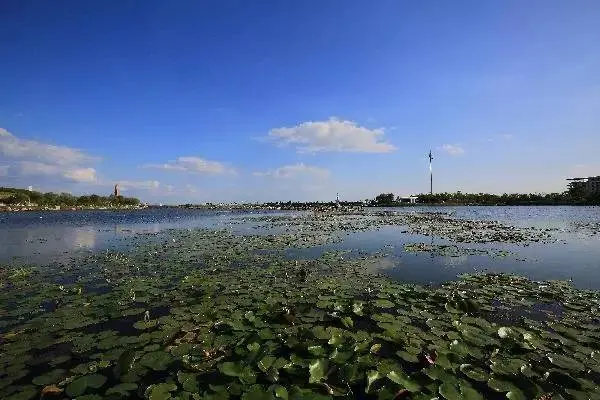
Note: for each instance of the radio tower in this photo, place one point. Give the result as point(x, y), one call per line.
point(430, 174)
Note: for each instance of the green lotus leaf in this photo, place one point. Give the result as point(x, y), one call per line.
point(477, 374)
point(449, 391)
point(160, 391)
point(266, 334)
point(80, 385)
point(450, 307)
point(265, 363)
point(500, 385)
point(156, 360)
point(319, 332)
point(281, 392)
point(347, 322)
point(507, 366)
point(372, 377)
point(317, 370)
point(90, 397)
point(306, 394)
point(383, 303)
point(249, 315)
point(253, 347)
point(340, 357)
point(49, 378)
point(399, 377)
point(59, 360)
point(565, 362)
point(143, 325)
point(357, 307)
point(26, 393)
point(468, 393)
point(188, 381)
point(336, 340)
point(122, 389)
point(256, 392)
point(317, 351)
point(437, 373)
point(408, 357)
point(516, 394)
point(280, 363)
point(562, 379)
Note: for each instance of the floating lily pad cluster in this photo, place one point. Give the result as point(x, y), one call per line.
point(300, 229)
point(204, 316)
point(451, 250)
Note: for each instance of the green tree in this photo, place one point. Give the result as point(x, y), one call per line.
point(17, 198)
point(384, 199)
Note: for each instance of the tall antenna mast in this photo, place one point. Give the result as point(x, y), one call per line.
point(430, 174)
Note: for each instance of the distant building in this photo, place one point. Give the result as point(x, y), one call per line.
point(117, 191)
point(589, 185)
point(30, 188)
point(409, 199)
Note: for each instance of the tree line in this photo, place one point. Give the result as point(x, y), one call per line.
point(506, 199)
point(21, 196)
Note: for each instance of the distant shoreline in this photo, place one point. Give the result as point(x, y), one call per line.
point(68, 208)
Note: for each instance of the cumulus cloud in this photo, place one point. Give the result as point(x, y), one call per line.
point(138, 185)
point(72, 173)
point(194, 165)
point(23, 149)
point(296, 170)
point(333, 135)
point(452, 149)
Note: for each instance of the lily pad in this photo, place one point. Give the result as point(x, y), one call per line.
point(317, 370)
point(188, 381)
point(449, 391)
point(156, 360)
point(161, 391)
point(80, 385)
point(54, 376)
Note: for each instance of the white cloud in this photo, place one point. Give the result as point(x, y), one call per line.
point(193, 164)
point(296, 170)
point(138, 185)
point(332, 135)
point(72, 173)
point(81, 174)
point(23, 149)
point(452, 149)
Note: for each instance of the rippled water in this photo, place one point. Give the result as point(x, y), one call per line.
point(33, 237)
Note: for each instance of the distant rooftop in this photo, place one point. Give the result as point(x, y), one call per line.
point(585, 179)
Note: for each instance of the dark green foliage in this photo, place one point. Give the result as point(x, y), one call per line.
point(514, 199)
point(22, 196)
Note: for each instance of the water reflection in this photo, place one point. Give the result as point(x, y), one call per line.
point(81, 238)
point(454, 261)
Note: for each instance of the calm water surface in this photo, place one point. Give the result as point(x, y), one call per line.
point(54, 236)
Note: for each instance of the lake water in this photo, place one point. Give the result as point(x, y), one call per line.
point(42, 237)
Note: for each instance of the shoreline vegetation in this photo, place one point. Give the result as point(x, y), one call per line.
point(486, 199)
point(13, 199)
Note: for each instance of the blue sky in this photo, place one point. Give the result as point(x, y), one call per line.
point(195, 101)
